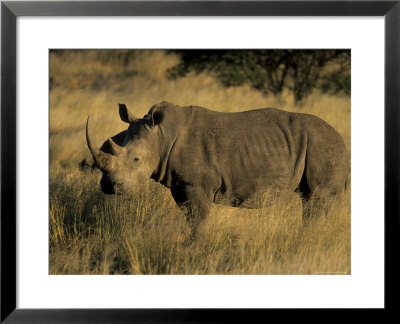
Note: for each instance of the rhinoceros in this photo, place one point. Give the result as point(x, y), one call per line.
point(205, 157)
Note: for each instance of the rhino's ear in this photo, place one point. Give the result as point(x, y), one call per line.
point(125, 115)
point(157, 116)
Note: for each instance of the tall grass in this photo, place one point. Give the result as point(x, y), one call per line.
point(144, 232)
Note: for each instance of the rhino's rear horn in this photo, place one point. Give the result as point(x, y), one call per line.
point(114, 147)
point(102, 160)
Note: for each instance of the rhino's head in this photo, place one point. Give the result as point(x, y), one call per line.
point(131, 158)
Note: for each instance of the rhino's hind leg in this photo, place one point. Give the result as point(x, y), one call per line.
point(195, 204)
point(318, 200)
point(318, 192)
point(305, 192)
point(316, 204)
point(325, 173)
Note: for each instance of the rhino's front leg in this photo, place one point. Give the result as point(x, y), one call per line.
point(195, 202)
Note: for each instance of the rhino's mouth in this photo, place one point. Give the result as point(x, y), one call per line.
point(108, 191)
point(107, 188)
point(111, 189)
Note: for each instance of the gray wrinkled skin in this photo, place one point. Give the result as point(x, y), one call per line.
point(207, 157)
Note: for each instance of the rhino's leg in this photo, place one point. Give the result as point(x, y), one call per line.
point(195, 202)
point(324, 188)
point(326, 169)
point(305, 192)
point(320, 203)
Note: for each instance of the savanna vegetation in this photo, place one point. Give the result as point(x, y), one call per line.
point(145, 232)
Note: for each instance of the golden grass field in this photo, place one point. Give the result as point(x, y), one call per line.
point(145, 232)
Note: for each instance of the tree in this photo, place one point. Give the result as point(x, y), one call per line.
point(266, 70)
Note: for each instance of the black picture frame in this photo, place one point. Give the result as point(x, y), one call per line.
point(10, 10)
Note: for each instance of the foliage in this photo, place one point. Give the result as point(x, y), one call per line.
point(271, 70)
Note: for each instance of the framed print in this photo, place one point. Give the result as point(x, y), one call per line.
point(252, 208)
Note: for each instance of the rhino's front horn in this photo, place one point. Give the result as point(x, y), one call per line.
point(102, 160)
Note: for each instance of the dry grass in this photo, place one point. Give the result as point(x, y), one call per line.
point(144, 233)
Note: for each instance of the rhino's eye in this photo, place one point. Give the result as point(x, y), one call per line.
point(136, 159)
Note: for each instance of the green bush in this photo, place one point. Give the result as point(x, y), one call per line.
point(270, 71)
